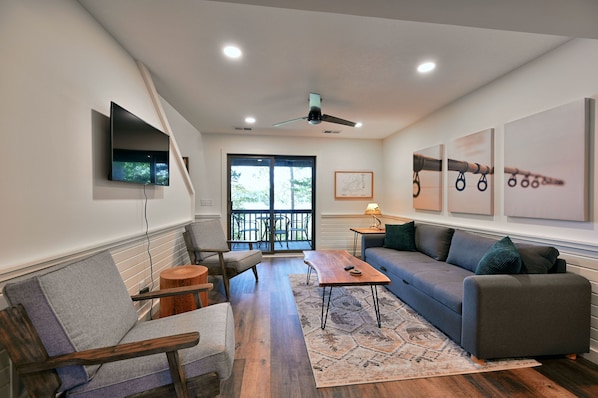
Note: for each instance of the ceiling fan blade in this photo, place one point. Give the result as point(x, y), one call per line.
point(315, 114)
point(289, 121)
point(337, 120)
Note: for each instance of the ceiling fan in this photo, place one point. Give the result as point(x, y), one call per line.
point(315, 115)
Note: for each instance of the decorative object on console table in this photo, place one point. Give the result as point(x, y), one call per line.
point(184, 275)
point(374, 210)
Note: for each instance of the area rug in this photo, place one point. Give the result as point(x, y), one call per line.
point(353, 350)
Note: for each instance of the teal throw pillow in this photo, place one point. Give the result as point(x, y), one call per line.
point(502, 258)
point(400, 236)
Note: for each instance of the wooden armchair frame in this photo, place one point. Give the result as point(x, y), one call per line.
point(37, 369)
point(225, 275)
point(208, 236)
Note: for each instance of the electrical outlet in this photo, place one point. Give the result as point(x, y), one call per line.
point(143, 287)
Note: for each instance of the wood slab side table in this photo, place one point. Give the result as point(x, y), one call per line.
point(183, 275)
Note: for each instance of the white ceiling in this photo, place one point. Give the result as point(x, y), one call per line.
point(363, 66)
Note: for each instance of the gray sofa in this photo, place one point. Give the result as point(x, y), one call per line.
point(542, 310)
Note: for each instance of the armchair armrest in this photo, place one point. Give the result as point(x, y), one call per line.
point(212, 250)
point(173, 291)
point(176, 291)
point(249, 242)
point(116, 353)
point(526, 315)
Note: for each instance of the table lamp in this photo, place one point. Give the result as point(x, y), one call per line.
point(374, 210)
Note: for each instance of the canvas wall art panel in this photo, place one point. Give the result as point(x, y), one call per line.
point(427, 178)
point(470, 165)
point(546, 163)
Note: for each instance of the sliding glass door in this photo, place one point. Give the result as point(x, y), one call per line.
point(271, 202)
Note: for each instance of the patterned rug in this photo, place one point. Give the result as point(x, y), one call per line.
point(353, 350)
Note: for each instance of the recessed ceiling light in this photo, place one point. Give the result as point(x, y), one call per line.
point(250, 119)
point(426, 67)
point(358, 124)
point(232, 51)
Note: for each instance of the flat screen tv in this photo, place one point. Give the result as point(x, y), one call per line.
point(138, 151)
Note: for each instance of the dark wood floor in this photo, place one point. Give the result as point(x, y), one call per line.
point(271, 359)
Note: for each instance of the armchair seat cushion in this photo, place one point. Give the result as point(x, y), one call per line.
point(236, 261)
point(214, 353)
point(207, 246)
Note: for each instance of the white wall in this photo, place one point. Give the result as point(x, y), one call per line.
point(59, 70)
point(332, 154)
point(58, 74)
point(557, 78)
point(562, 76)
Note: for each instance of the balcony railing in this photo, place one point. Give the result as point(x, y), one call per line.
point(289, 229)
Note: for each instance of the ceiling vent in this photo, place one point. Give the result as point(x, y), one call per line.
point(331, 131)
point(244, 128)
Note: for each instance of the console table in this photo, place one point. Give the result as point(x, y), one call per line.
point(364, 231)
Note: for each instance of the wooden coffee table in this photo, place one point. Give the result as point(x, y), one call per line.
point(330, 268)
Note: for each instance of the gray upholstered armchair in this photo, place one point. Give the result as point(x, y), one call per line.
point(75, 329)
point(208, 246)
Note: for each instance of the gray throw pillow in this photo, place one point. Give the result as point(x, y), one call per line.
point(537, 259)
point(433, 240)
point(467, 249)
point(400, 236)
point(502, 258)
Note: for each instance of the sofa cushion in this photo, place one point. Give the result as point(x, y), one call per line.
point(59, 302)
point(537, 259)
point(400, 236)
point(433, 240)
point(467, 249)
point(402, 264)
point(444, 283)
point(502, 258)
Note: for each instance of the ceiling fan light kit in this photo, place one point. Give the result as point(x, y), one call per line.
point(315, 115)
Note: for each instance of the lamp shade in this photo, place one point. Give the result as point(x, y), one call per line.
point(373, 209)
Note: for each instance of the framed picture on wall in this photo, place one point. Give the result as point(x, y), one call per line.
point(353, 184)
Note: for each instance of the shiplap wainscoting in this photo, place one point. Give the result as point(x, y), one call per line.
point(587, 267)
point(334, 232)
point(167, 249)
